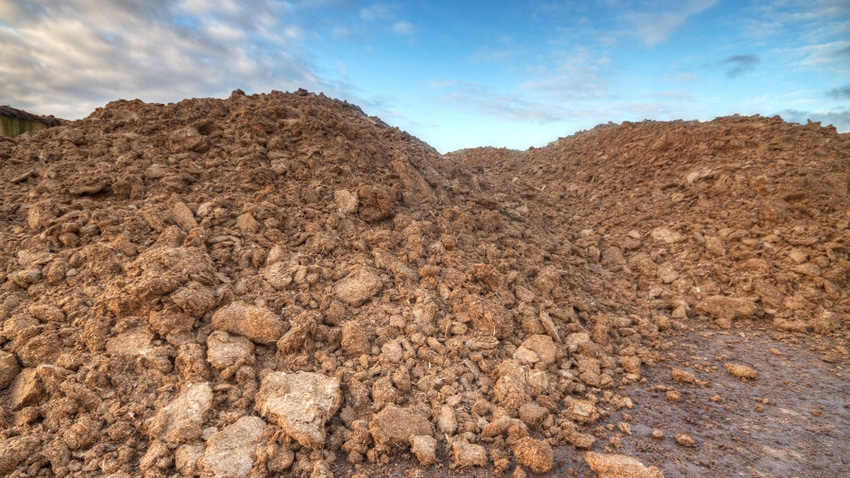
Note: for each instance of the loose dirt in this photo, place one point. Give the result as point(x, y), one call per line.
point(281, 285)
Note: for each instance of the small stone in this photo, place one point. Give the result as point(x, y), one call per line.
point(346, 201)
point(543, 346)
point(741, 371)
point(667, 236)
point(392, 351)
point(257, 323)
point(395, 426)
point(182, 215)
point(631, 364)
point(354, 339)
point(424, 447)
point(525, 355)
point(466, 455)
point(186, 458)
point(685, 440)
point(225, 350)
point(582, 441)
point(536, 455)
point(446, 420)
point(181, 420)
point(300, 403)
point(658, 434)
point(673, 396)
point(247, 224)
point(358, 287)
point(321, 469)
point(26, 389)
point(683, 376)
point(667, 274)
point(9, 369)
point(230, 452)
point(533, 414)
point(619, 466)
point(583, 411)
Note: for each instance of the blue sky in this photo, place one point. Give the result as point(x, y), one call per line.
point(454, 73)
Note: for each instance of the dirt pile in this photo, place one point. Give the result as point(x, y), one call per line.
point(738, 218)
point(280, 284)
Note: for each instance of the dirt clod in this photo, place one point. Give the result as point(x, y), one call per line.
point(741, 371)
point(619, 466)
point(536, 455)
point(300, 404)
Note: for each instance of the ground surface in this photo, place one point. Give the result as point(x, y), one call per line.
point(793, 421)
point(280, 285)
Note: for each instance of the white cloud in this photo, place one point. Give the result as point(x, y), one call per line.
point(403, 28)
point(378, 11)
point(63, 57)
point(833, 57)
point(840, 118)
point(578, 74)
point(654, 25)
point(477, 98)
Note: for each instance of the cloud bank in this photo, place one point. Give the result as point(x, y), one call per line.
point(74, 55)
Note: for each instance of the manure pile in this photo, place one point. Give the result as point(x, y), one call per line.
point(280, 285)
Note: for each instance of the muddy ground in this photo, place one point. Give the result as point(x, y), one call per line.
point(792, 421)
point(281, 285)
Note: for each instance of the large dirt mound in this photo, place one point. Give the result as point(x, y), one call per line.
point(282, 285)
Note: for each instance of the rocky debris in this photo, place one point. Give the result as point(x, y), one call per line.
point(536, 455)
point(26, 389)
point(582, 411)
point(358, 287)
point(741, 371)
point(299, 260)
point(182, 419)
point(138, 343)
point(256, 323)
point(300, 403)
point(395, 426)
point(541, 346)
point(683, 376)
point(725, 309)
point(607, 465)
point(424, 448)
point(231, 451)
point(466, 455)
point(9, 369)
point(225, 351)
point(14, 451)
point(685, 440)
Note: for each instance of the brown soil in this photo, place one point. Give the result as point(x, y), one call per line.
point(280, 285)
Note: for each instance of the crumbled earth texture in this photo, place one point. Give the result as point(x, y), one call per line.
point(281, 285)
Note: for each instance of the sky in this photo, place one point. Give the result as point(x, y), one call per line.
point(454, 73)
